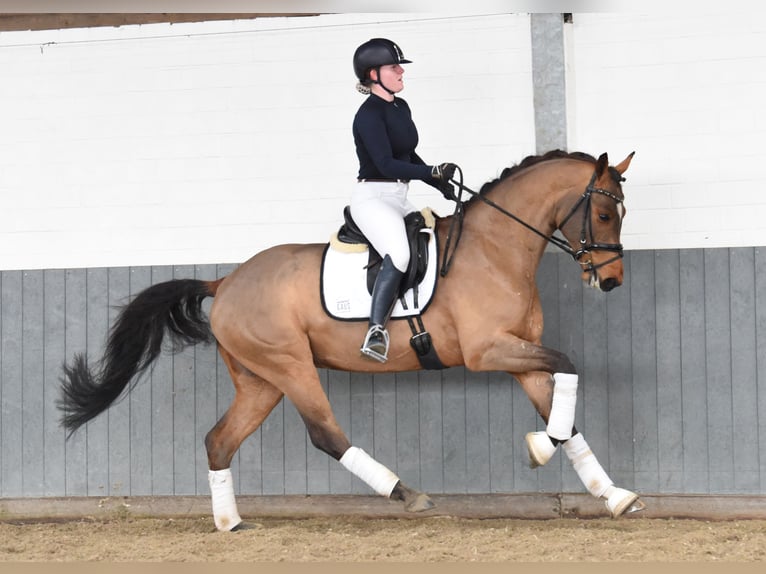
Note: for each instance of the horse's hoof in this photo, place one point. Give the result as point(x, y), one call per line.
point(623, 501)
point(243, 526)
point(421, 503)
point(540, 448)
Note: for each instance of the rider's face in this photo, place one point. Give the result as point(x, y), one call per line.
point(391, 76)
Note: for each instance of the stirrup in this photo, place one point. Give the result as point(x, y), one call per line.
point(375, 344)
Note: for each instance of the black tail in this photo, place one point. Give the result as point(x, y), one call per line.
point(135, 341)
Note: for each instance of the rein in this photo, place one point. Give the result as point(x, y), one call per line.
point(457, 226)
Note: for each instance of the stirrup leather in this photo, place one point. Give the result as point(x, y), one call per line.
point(375, 344)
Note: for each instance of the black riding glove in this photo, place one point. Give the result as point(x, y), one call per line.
point(448, 191)
point(443, 171)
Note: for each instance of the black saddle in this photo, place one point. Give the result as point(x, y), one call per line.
point(350, 233)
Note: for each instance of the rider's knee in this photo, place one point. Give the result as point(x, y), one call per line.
point(400, 258)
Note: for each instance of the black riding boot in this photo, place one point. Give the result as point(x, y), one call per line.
point(384, 295)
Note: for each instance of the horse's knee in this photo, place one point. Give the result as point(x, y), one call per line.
point(328, 440)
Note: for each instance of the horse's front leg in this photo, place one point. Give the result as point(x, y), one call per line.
point(551, 385)
point(550, 381)
point(539, 387)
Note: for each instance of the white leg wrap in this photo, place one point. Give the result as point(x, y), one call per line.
point(374, 474)
point(562, 416)
point(592, 475)
point(225, 512)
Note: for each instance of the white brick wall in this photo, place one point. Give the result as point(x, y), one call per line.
point(686, 90)
point(205, 143)
point(202, 143)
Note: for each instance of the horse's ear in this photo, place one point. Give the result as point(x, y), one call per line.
point(622, 167)
point(601, 165)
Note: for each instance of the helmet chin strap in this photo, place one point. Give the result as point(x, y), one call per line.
point(377, 70)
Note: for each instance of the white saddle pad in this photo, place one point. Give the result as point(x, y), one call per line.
point(344, 283)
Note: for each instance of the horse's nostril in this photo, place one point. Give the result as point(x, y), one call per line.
point(609, 284)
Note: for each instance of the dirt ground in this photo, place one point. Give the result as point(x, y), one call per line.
point(353, 539)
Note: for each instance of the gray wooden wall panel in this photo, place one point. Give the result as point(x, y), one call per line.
point(140, 407)
point(477, 434)
point(744, 370)
point(718, 370)
point(75, 334)
point(593, 383)
point(361, 431)
point(759, 427)
point(672, 395)
point(11, 366)
point(384, 418)
point(500, 432)
point(118, 447)
point(339, 394)
point(184, 467)
point(161, 378)
point(693, 373)
point(644, 396)
point(97, 439)
point(430, 428)
point(32, 391)
point(54, 354)
point(619, 385)
point(407, 426)
point(667, 345)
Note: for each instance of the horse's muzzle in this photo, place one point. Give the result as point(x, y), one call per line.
point(609, 284)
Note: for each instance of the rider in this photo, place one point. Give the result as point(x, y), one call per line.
point(385, 137)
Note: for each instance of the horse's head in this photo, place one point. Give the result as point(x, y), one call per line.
point(593, 223)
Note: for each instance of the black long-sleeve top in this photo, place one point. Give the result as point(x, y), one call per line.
point(386, 138)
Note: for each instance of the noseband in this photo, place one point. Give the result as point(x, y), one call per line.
point(586, 245)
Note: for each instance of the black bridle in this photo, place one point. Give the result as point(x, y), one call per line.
point(586, 244)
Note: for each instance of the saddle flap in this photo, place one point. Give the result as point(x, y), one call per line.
point(414, 222)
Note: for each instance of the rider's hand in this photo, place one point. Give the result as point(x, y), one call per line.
point(443, 171)
point(448, 191)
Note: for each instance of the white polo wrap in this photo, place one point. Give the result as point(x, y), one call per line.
point(561, 419)
point(374, 474)
point(225, 512)
point(592, 475)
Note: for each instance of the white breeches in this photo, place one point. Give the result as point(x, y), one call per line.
point(378, 208)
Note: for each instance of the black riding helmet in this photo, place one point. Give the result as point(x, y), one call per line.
point(372, 55)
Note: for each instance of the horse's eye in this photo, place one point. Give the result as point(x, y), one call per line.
point(604, 216)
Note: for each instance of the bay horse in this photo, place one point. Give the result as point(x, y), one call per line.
point(273, 333)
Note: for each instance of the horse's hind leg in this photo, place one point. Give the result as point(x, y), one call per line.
point(255, 398)
point(300, 383)
point(539, 388)
point(327, 436)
